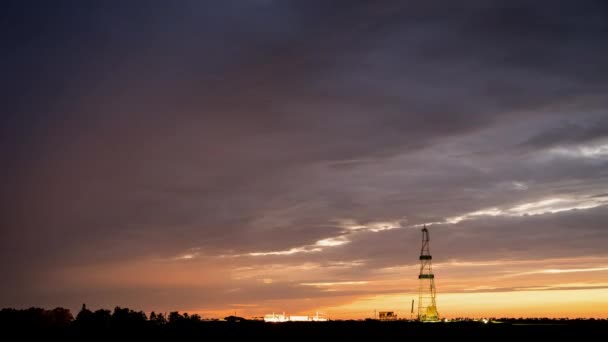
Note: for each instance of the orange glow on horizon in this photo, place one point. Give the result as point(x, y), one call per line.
point(543, 303)
point(217, 287)
point(587, 303)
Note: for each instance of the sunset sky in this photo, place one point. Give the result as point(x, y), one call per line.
point(276, 155)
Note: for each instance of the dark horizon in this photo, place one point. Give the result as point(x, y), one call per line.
point(68, 317)
point(123, 323)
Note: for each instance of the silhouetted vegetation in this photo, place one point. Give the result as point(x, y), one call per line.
point(234, 319)
point(123, 322)
point(36, 318)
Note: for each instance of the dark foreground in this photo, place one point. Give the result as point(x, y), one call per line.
point(124, 323)
point(341, 330)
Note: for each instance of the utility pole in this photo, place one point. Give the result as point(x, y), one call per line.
point(412, 310)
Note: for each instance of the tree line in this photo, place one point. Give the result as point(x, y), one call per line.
point(120, 318)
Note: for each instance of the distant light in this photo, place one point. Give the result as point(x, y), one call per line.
point(275, 318)
point(278, 318)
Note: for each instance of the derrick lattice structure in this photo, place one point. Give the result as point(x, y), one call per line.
point(427, 307)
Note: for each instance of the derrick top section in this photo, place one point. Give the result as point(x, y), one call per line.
point(425, 234)
point(425, 253)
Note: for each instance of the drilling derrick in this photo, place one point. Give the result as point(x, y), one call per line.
point(427, 308)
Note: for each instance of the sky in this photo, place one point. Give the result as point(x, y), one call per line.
point(262, 156)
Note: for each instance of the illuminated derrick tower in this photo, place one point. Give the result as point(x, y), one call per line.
point(427, 308)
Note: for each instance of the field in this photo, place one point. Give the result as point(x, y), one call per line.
point(373, 330)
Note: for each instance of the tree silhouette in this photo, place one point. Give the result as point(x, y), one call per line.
point(35, 318)
point(60, 317)
point(102, 319)
point(125, 318)
point(84, 316)
point(234, 319)
point(175, 317)
point(157, 319)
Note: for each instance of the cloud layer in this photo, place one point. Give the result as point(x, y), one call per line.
point(270, 152)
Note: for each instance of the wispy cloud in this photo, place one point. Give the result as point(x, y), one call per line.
point(336, 283)
point(378, 226)
point(351, 227)
point(290, 251)
point(314, 248)
point(558, 271)
point(595, 151)
point(333, 241)
point(550, 205)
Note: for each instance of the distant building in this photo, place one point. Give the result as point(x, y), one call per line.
point(317, 318)
point(276, 318)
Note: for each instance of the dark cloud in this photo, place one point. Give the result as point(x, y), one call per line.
point(570, 133)
point(151, 129)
